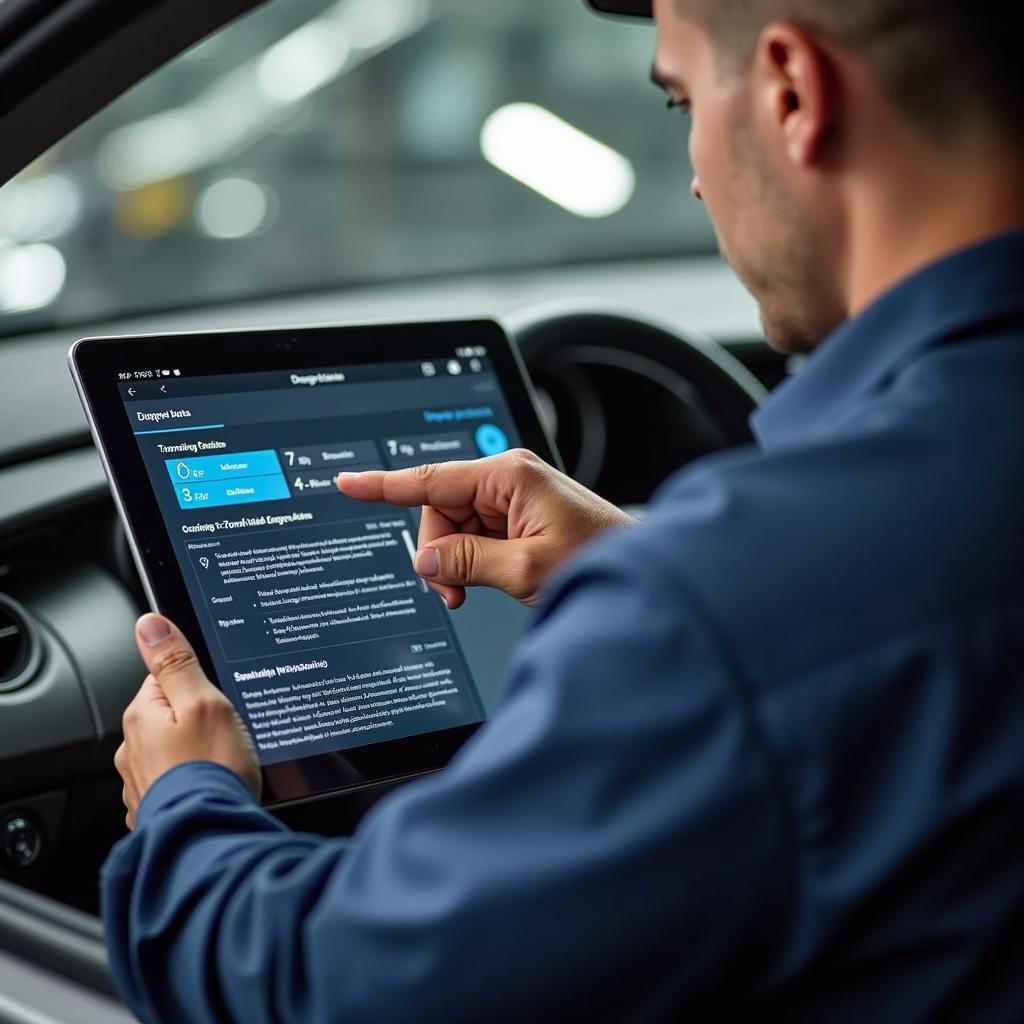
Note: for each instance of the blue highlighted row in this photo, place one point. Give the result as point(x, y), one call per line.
point(208, 494)
point(238, 479)
point(223, 467)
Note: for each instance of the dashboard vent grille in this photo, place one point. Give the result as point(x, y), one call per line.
point(18, 650)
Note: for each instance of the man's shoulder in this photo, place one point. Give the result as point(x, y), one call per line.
point(843, 541)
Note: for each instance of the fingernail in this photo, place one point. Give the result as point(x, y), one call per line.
point(154, 629)
point(343, 478)
point(427, 563)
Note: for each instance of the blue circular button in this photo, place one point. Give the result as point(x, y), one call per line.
point(491, 440)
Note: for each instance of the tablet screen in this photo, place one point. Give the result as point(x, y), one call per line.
point(318, 628)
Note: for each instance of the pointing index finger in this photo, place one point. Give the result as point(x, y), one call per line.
point(365, 486)
point(445, 485)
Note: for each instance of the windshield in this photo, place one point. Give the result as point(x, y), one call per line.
point(321, 144)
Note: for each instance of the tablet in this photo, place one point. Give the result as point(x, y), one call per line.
point(222, 451)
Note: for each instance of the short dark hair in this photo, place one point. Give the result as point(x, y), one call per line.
point(945, 63)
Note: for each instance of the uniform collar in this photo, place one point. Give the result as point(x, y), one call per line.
point(969, 289)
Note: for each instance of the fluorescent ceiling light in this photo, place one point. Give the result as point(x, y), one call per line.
point(563, 164)
point(232, 208)
point(31, 276)
point(245, 104)
point(40, 209)
point(302, 63)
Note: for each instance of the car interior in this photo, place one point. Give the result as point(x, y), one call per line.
point(174, 167)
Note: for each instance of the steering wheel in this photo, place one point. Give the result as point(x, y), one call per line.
point(630, 400)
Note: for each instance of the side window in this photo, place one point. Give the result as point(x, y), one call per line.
point(317, 144)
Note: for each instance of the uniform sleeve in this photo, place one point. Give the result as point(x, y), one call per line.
point(614, 843)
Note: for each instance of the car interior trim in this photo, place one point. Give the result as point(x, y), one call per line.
point(79, 55)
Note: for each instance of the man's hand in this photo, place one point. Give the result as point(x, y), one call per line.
point(506, 521)
point(178, 715)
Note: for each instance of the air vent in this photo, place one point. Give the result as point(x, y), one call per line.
point(19, 647)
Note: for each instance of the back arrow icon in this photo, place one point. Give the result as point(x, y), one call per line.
point(163, 390)
point(131, 391)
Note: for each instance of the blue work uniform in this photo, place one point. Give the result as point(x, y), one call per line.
point(760, 757)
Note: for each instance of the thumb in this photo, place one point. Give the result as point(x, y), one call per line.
point(170, 658)
point(469, 560)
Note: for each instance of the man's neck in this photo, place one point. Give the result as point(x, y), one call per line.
point(917, 217)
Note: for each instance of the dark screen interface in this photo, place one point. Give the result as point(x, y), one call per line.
point(320, 632)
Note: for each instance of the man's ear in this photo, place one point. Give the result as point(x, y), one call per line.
point(795, 80)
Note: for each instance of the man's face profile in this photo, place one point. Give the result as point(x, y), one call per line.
point(772, 220)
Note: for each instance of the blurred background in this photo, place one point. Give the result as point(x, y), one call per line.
point(320, 144)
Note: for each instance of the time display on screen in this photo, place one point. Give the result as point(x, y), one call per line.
point(146, 374)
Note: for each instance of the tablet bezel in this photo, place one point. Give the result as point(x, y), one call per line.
point(95, 363)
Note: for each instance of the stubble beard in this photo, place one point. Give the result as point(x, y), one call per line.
point(784, 262)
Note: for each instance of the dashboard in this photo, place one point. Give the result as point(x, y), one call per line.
point(608, 383)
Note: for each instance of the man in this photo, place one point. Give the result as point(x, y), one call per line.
point(760, 757)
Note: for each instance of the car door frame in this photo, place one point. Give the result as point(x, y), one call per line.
point(61, 61)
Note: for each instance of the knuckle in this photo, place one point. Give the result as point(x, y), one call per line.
point(207, 707)
point(528, 566)
point(524, 461)
point(464, 559)
point(425, 473)
point(220, 709)
point(194, 707)
point(175, 660)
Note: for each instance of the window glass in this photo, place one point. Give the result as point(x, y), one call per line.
point(322, 143)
